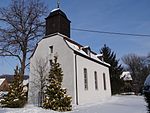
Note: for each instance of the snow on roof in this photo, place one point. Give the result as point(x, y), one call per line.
point(86, 47)
point(99, 55)
point(126, 76)
point(75, 47)
point(2, 80)
point(78, 48)
point(55, 10)
point(147, 81)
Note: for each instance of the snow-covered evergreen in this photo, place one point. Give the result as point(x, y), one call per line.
point(56, 97)
point(16, 96)
point(115, 69)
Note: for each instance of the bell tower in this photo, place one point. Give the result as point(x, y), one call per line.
point(57, 22)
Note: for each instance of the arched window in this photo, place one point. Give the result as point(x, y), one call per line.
point(104, 81)
point(96, 81)
point(85, 79)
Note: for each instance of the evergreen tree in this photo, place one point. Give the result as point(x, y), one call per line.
point(115, 69)
point(16, 97)
point(55, 96)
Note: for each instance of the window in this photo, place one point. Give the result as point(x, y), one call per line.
point(51, 49)
point(50, 61)
point(104, 81)
point(89, 53)
point(85, 79)
point(96, 82)
point(87, 50)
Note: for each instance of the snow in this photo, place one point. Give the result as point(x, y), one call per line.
point(75, 47)
point(16, 99)
point(55, 10)
point(99, 55)
point(3, 93)
point(25, 82)
point(2, 80)
point(117, 104)
point(126, 76)
point(80, 50)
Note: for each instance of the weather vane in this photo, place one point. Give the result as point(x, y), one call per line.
point(58, 3)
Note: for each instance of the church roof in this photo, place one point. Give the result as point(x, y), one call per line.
point(78, 49)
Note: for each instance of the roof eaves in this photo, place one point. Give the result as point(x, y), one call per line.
point(92, 59)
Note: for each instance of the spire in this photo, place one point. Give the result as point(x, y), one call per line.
point(58, 3)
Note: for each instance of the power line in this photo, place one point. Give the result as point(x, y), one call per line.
point(112, 33)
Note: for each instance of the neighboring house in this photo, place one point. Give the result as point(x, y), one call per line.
point(7, 79)
point(10, 77)
point(3, 85)
point(86, 76)
point(127, 78)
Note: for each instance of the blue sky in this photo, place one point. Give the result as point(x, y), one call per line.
point(128, 16)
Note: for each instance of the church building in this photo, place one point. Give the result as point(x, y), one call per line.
point(86, 75)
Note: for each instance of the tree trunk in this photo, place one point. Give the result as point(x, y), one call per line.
point(23, 63)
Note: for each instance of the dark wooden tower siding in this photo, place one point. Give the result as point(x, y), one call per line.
point(57, 22)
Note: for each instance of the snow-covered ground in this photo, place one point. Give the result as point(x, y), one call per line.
point(117, 104)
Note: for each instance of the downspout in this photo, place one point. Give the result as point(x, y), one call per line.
point(76, 80)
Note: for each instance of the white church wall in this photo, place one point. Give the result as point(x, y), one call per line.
point(92, 95)
point(65, 58)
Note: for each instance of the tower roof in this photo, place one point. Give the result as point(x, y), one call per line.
point(57, 22)
point(57, 11)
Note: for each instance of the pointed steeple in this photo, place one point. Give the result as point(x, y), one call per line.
point(57, 22)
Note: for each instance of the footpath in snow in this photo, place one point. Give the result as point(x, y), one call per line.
point(117, 104)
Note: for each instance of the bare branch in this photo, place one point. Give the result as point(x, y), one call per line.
point(8, 53)
point(24, 28)
point(40, 69)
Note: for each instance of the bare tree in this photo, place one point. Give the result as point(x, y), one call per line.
point(139, 70)
point(22, 28)
point(39, 73)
